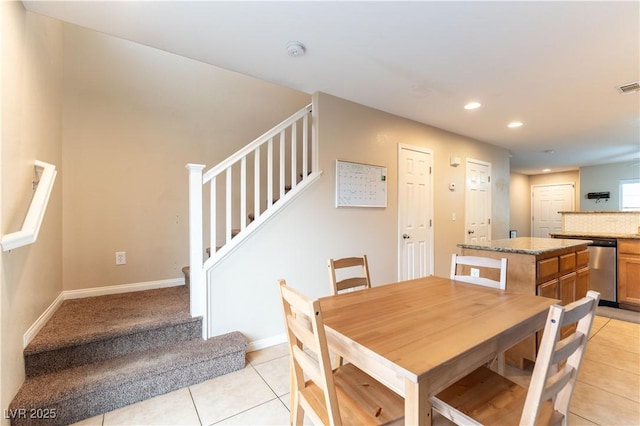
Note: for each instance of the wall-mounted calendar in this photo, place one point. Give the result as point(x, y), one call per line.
point(360, 185)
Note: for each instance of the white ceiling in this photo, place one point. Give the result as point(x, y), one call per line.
point(553, 65)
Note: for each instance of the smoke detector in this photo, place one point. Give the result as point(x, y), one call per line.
point(295, 49)
point(629, 87)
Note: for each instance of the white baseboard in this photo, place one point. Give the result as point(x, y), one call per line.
point(41, 321)
point(266, 343)
point(123, 288)
point(91, 292)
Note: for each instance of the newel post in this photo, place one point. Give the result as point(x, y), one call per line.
point(197, 290)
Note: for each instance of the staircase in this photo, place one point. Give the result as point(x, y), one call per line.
point(101, 353)
point(229, 202)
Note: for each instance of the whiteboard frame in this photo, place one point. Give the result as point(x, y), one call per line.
point(339, 184)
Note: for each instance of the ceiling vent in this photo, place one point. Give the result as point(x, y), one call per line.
point(629, 87)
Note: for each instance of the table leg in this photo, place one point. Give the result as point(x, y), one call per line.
point(417, 408)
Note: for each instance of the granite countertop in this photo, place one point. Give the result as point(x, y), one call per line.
point(587, 235)
point(600, 212)
point(526, 245)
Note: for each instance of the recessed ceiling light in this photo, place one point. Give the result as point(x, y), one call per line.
point(546, 170)
point(514, 124)
point(472, 105)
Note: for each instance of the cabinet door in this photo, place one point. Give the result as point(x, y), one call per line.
point(582, 283)
point(629, 279)
point(568, 288)
point(549, 289)
point(567, 262)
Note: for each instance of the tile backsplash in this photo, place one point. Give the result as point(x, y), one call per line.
point(601, 222)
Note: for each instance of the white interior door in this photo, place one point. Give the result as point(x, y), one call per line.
point(546, 202)
point(478, 202)
point(415, 212)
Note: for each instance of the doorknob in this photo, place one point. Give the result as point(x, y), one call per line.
point(471, 231)
point(406, 236)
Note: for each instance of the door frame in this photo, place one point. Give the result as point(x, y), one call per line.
point(429, 208)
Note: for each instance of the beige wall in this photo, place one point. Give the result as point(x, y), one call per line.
point(296, 244)
point(520, 202)
point(521, 187)
point(572, 176)
point(133, 118)
point(605, 178)
point(31, 129)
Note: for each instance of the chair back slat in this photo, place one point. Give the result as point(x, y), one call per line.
point(351, 283)
point(309, 366)
point(567, 346)
point(556, 382)
point(485, 282)
point(482, 263)
point(302, 333)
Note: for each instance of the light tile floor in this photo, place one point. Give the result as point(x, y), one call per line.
point(607, 393)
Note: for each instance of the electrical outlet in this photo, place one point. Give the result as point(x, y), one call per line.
point(475, 272)
point(121, 258)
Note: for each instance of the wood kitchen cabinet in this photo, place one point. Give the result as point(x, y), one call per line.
point(555, 268)
point(629, 273)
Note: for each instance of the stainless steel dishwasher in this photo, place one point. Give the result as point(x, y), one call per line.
point(603, 267)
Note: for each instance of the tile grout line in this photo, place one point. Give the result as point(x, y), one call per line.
point(193, 401)
point(243, 411)
point(264, 380)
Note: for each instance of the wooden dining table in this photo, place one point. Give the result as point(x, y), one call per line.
point(420, 336)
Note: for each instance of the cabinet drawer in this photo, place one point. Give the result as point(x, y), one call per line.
point(567, 262)
point(547, 269)
point(582, 258)
point(629, 246)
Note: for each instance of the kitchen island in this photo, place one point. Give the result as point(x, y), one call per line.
point(549, 267)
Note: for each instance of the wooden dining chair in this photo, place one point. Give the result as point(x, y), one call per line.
point(469, 262)
point(362, 280)
point(479, 262)
point(484, 397)
point(346, 395)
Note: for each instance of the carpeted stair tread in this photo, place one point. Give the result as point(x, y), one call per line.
point(80, 321)
point(88, 390)
point(116, 346)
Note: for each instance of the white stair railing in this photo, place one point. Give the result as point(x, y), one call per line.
point(35, 215)
point(244, 191)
